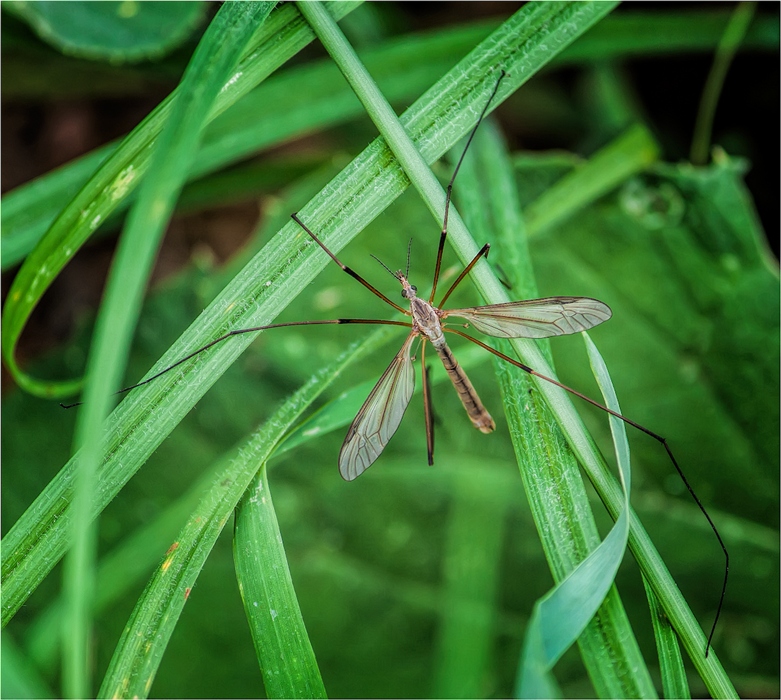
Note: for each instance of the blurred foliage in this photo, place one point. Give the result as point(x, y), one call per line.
point(693, 349)
point(119, 32)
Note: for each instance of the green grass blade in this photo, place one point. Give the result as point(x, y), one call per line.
point(259, 293)
point(630, 153)
point(637, 33)
point(284, 651)
point(140, 650)
point(561, 615)
point(278, 40)
point(725, 53)
point(31, 208)
point(674, 682)
point(213, 63)
point(488, 198)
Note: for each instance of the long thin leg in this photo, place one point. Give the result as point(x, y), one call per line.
point(428, 407)
point(240, 331)
point(639, 427)
point(443, 235)
point(483, 252)
point(348, 270)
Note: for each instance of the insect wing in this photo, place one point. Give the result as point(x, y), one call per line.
point(535, 318)
point(379, 416)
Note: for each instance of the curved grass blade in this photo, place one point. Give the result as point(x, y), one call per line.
point(561, 615)
point(287, 660)
point(278, 40)
point(140, 650)
point(213, 62)
point(489, 200)
point(728, 46)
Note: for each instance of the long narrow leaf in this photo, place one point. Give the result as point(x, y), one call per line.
point(282, 645)
point(562, 614)
point(144, 640)
point(213, 63)
point(560, 506)
point(118, 176)
point(674, 683)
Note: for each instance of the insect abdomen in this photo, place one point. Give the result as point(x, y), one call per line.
point(466, 392)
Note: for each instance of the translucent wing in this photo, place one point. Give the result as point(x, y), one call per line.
point(379, 416)
point(535, 318)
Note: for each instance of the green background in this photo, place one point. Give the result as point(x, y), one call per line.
point(417, 581)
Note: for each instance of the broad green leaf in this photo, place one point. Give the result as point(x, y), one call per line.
point(117, 31)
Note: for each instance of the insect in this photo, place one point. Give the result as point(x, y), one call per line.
point(381, 414)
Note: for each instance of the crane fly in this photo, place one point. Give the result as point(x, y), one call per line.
point(380, 415)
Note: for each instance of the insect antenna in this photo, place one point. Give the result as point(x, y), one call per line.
point(449, 192)
point(409, 253)
point(390, 272)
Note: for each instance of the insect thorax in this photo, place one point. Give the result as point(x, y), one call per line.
point(427, 320)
